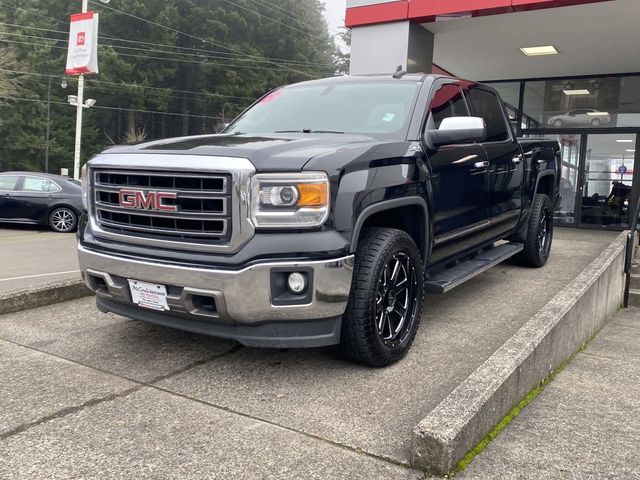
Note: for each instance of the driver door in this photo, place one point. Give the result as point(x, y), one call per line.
point(460, 178)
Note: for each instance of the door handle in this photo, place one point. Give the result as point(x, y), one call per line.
point(517, 160)
point(481, 164)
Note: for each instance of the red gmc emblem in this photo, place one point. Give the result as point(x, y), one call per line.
point(142, 200)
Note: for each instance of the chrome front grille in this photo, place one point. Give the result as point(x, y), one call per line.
point(199, 207)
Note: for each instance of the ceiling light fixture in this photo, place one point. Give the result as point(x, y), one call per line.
point(576, 92)
point(630, 150)
point(539, 51)
point(624, 141)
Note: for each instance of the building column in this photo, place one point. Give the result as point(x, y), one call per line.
point(381, 48)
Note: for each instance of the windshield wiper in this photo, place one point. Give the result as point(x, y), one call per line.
point(308, 130)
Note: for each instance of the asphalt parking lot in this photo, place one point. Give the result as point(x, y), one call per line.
point(93, 395)
point(30, 256)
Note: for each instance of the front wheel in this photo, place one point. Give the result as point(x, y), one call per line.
point(386, 298)
point(63, 220)
point(537, 245)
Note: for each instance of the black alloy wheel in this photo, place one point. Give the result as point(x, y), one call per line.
point(385, 303)
point(537, 245)
point(544, 232)
point(396, 299)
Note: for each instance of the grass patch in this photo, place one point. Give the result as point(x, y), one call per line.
point(468, 458)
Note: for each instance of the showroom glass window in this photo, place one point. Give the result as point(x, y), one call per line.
point(604, 102)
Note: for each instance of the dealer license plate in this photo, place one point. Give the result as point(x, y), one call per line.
point(149, 295)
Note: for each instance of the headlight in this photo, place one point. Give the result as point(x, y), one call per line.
point(84, 183)
point(289, 200)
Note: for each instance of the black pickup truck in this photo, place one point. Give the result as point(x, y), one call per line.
point(321, 215)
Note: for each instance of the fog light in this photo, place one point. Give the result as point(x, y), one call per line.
point(297, 282)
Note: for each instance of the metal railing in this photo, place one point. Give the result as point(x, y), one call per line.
point(629, 253)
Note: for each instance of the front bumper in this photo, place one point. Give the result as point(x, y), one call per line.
point(237, 304)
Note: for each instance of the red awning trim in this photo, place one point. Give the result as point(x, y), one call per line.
point(378, 13)
point(428, 10)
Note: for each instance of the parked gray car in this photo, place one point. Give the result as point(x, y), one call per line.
point(580, 118)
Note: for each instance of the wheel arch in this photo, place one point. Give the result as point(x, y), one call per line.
point(545, 183)
point(396, 213)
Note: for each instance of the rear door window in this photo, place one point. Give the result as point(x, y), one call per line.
point(37, 184)
point(486, 105)
point(8, 182)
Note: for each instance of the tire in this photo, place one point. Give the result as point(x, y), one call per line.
point(557, 123)
point(596, 122)
point(537, 245)
point(386, 259)
point(63, 220)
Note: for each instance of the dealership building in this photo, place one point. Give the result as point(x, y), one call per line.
point(567, 69)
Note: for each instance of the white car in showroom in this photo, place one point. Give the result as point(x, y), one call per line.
point(581, 117)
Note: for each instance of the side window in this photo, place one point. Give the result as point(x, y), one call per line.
point(447, 102)
point(486, 105)
point(35, 184)
point(8, 182)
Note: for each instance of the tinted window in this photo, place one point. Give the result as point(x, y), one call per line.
point(486, 105)
point(447, 102)
point(35, 184)
point(382, 107)
point(8, 182)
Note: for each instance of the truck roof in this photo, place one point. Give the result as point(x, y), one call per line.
point(407, 77)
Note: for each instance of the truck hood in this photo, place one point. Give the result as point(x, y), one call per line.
point(272, 152)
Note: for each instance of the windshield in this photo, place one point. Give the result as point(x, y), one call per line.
point(382, 108)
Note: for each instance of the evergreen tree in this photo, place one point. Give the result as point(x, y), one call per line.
point(233, 52)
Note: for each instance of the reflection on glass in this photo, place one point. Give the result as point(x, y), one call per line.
point(583, 103)
point(570, 149)
point(608, 179)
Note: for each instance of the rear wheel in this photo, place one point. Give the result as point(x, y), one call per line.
point(63, 220)
point(386, 298)
point(537, 245)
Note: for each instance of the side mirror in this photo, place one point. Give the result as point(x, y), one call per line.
point(455, 130)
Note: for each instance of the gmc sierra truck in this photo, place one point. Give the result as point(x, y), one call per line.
point(321, 215)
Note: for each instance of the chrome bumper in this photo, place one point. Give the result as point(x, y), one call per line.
point(242, 297)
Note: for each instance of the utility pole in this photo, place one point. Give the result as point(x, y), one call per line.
point(76, 152)
point(46, 147)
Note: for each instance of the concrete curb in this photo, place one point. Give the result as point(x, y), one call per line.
point(42, 295)
point(472, 410)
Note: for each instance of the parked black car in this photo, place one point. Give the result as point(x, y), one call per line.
point(40, 198)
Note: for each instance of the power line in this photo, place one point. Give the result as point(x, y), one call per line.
point(148, 57)
point(104, 107)
point(282, 11)
point(189, 35)
point(133, 85)
point(215, 52)
point(151, 50)
point(273, 20)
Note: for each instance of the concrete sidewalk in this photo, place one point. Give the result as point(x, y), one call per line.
point(586, 422)
point(30, 257)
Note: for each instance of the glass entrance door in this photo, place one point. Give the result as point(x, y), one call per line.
point(606, 181)
point(570, 144)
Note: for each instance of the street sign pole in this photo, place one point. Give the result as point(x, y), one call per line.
point(76, 152)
